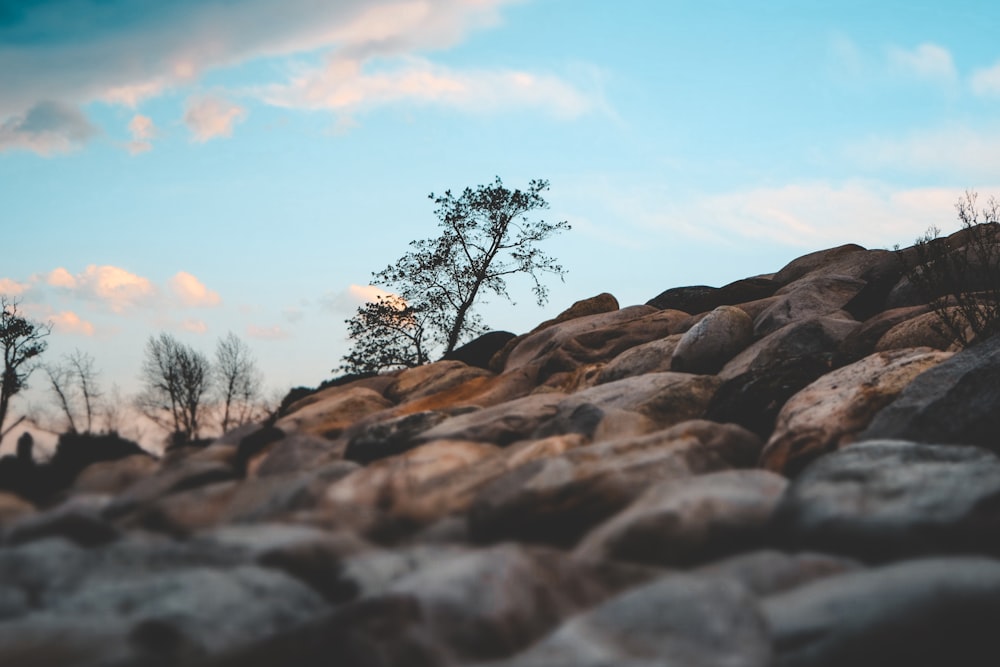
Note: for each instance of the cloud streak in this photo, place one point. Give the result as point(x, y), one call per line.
point(192, 293)
point(211, 117)
point(46, 127)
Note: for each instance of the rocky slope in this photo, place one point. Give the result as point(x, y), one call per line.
point(790, 470)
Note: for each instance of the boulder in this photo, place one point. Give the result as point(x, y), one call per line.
point(477, 353)
point(768, 572)
point(923, 612)
point(714, 340)
point(181, 477)
point(810, 338)
point(294, 453)
point(674, 620)
point(389, 437)
point(807, 298)
point(110, 477)
point(701, 298)
point(685, 522)
point(833, 410)
point(925, 330)
point(328, 417)
point(665, 398)
point(956, 401)
point(653, 357)
point(79, 519)
point(13, 507)
point(556, 500)
point(885, 499)
point(420, 381)
point(861, 342)
point(814, 261)
point(500, 425)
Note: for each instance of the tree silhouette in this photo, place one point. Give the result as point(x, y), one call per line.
point(176, 379)
point(22, 341)
point(486, 236)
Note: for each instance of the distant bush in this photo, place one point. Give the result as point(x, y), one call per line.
point(959, 275)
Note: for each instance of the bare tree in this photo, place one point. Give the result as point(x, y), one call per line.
point(22, 341)
point(112, 410)
point(73, 382)
point(237, 382)
point(176, 379)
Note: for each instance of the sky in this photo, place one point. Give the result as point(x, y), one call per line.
point(206, 166)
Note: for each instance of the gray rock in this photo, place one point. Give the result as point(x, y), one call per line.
point(714, 340)
point(652, 357)
point(675, 620)
point(768, 572)
point(688, 521)
point(500, 425)
point(920, 613)
point(666, 398)
point(701, 298)
point(957, 401)
point(883, 499)
point(389, 437)
point(815, 261)
point(809, 339)
point(807, 298)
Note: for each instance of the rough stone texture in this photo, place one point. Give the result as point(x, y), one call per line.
point(185, 475)
point(421, 381)
point(556, 500)
point(814, 261)
point(956, 401)
point(921, 612)
point(809, 297)
point(701, 298)
point(714, 340)
point(885, 499)
point(501, 425)
point(675, 620)
point(328, 417)
point(685, 522)
point(861, 342)
point(293, 453)
point(113, 476)
point(481, 392)
point(810, 338)
point(389, 437)
point(833, 410)
point(665, 398)
point(923, 330)
point(653, 357)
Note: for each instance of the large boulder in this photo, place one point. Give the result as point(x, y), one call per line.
point(919, 613)
point(769, 571)
point(885, 499)
point(690, 521)
point(478, 352)
point(701, 298)
point(807, 298)
point(714, 340)
point(652, 357)
point(328, 416)
point(956, 401)
point(833, 410)
point(421, 381)
point(814, 261)
point(810, 338)
point(861, 342)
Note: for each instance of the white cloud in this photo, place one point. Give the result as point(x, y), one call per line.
point(950, 152)
point(69, 322)
point(143, 131)
point(267, 333)
point(212, 116)
point(926, 61)
point(194, 326)
point(119, 289)
point(191, 292)
point(45, 128)
point(11, 288)
point(986, 82)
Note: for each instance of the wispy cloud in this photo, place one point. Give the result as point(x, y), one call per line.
point(986, 81)
point(11, 288)
point(212, 116)
point(926, 61)
point(46, 128)
point(954, 152)
point(143, 130)
point(192, 293)
point(69, 322)
point(117, 288)
point(267, 333)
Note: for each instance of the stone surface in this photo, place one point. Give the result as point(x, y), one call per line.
point(833, 410)
point(701, 298)
point(420, 381)
point(956, 401)
point(810, 338)
point(478, 352)
point(885, 499)
point(809, 297)
point(675, 620)
point(653, 357)
point(390, 436)
point(768, 572)
point(921, 612)
point(714, 340)
point(814, 261)
point(665, 398)
point(861, 342)
point(684, 522)
point(113, 476)
point(923, 330)
point(328, 417)
point(556, 500)
point(501, 424)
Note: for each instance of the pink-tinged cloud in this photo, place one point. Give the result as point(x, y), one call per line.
point(143, 130)
point(192, 293)
point(194, 326)
point(344, 86)
point(116, 288)
point(45, 128)
point(68, 322)
point(211, 117)
point(362, 294)
point(10, 287)
point(267, 333)
point(60, 277)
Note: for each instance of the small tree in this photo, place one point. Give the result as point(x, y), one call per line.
point(486, 236)
point(959, 276)
point(176, 379)
point(22, 341)
point(73, 383)
point(237, 382)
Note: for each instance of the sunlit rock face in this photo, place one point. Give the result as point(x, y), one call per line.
point(795, 469)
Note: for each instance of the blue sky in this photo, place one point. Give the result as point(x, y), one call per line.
point(205, 166)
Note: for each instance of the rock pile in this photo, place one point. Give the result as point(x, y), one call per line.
point(791, 470)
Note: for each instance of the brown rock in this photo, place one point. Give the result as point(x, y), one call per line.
point(833, 410)
point(806, 264)
point(13, 507)
point(861, 342)
point(713, 341)
point(701, 298)
point(925, 330)
point(499, 425)
point(666, 398)
point(112, 477)
point(378, 384)
point(421, 381)
point(652, 357)
point(329, 416)
point(807, 298)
